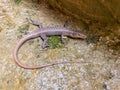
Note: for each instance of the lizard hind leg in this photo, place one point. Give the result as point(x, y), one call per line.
point(35, 23)
point(45, 39)
point(62, 39)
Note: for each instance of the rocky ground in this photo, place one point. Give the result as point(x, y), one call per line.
point(100, 72)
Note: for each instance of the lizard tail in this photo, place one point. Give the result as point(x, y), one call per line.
point(18, 46)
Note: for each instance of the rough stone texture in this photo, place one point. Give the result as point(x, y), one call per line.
point(106, 11)
point(102, 72)
point(100, 17)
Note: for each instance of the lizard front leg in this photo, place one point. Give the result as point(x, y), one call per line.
point(67, 23)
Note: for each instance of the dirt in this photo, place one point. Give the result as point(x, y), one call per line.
point(101, 70)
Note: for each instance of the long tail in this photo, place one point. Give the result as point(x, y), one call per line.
point(21, 42)
point(15, 54)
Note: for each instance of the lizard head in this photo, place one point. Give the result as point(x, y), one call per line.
point(77, 35)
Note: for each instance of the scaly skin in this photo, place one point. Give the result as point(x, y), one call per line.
point(44, 33)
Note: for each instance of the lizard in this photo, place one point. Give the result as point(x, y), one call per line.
point(44, 33)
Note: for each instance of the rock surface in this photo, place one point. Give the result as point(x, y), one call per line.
point(106, 11)
point(101, 72)
point(100, 17)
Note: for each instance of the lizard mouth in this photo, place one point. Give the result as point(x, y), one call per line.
point(81, 36)
point(84, 36)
